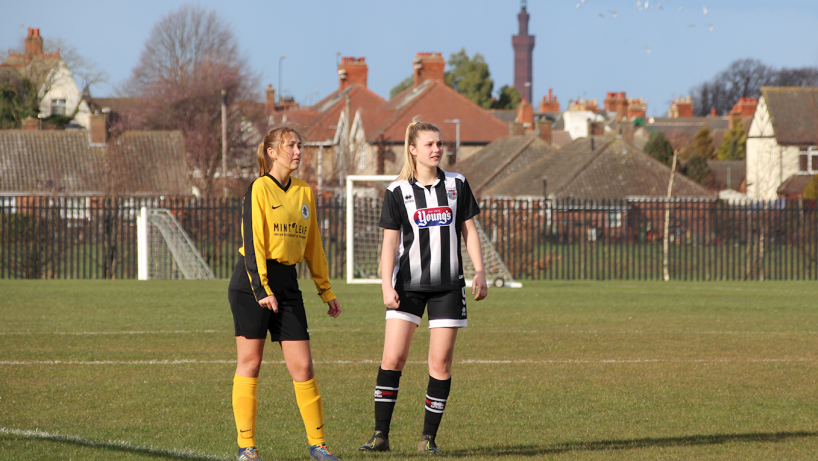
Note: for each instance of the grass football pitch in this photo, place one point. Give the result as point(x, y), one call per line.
point(127, 370)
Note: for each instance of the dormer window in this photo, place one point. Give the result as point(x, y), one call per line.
point(58, 107)
point(808, 160)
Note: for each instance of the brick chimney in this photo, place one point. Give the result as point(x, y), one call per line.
point(713, 112)
point(98, 128)
point(270, 100)
point(525, 114)
point(516, 129)
point(681, 107)
point(352, 71)
point(549, 103)
point(34, 43)
point(30, 124)
point(428, 66)
point(636, 108)
point(595, 129)
point(617, 103)
point(544, 127)
point(745, 107)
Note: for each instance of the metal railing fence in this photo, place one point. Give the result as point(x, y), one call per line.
point(94, 237)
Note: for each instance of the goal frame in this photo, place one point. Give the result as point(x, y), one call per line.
point(184, 253)
point(350, 230)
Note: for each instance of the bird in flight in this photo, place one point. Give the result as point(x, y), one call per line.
point(692, 25)
point(601, 15)
point(710, 26)
point(648, 49)
point(613, 13)
point(705, 10)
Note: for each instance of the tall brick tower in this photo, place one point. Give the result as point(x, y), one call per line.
point(523, 46)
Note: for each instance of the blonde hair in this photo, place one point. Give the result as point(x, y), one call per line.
point(409, 170)
point(275, 139)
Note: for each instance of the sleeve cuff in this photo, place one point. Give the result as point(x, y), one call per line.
point(327, 296)
point(262, 293)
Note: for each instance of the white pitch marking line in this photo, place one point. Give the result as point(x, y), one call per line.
point(102, 333)
point(369, 362)
point(116, 444)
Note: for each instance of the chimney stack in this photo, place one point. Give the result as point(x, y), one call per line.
point(30, 124)
point(98, 128)
point(428, 66)
point(352, 71)
point(617, 102)
point(270, 100)
point(745, 107)
point(549, 103)
point(636, 108)
point(34, 43)
point(525, 114)
point(681, 107)
point(544, 127)
point(516, 129)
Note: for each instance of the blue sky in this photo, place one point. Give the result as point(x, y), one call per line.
point(577, 52)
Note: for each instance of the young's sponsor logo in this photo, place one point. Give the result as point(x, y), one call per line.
point(431, 217)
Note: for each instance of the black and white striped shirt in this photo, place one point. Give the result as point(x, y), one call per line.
point(429, 220)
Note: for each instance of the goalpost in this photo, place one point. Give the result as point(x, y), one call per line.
point(364, 199)
point(164, 250)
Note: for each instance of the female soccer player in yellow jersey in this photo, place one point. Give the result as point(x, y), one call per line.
point(279, 229)
point(425, 211)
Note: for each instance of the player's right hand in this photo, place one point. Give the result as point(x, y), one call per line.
point(390, 298)
point(269, 302)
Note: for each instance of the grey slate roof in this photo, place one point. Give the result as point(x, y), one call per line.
point(613, 169)
point(501, 159)
point(735, 169)
point(65, 162)
point(794, 114)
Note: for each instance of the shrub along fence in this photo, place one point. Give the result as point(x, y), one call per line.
point(94, 237)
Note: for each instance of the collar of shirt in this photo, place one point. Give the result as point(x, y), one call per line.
point(441, 177)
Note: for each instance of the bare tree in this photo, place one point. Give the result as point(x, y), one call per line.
point(744, 78)
point(190, 56)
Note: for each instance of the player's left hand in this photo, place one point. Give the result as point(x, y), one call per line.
point(479, 287)
point(334, 308)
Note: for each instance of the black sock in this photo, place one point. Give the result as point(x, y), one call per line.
point(386, 394)
point(436, 395)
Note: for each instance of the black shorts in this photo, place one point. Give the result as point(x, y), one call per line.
point(253, 321)
point(447, 309)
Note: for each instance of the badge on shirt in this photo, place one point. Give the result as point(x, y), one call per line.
point(452, 194)
point(305, 211)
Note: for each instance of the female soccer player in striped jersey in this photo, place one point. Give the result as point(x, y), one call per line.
point(425, 211)
point(279, 229)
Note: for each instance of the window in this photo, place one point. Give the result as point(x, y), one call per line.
point(8, 205)
point(808, 160)
point(58, 107)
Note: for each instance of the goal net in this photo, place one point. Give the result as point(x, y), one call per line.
point(164, 249)
point(364, 200)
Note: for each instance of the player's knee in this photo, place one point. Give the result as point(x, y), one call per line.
point(395, 363)
point(440, 369)
point(248, 368)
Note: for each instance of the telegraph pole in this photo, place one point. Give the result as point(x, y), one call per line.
point(224, 141)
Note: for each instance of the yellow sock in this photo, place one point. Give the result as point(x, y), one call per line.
point(245, 403)
point(312, 410)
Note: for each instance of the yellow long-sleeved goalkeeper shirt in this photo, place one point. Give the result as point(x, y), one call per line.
point(279, 223)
